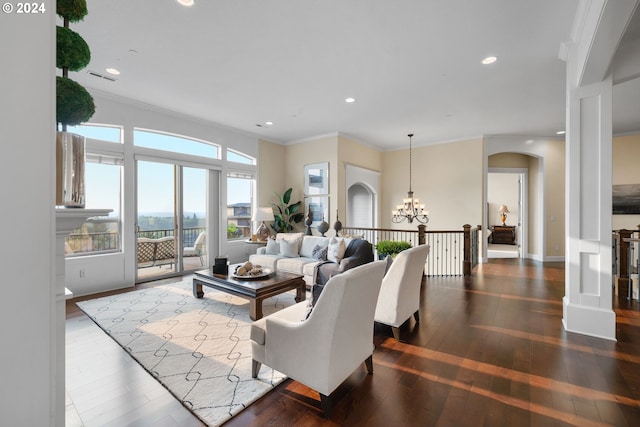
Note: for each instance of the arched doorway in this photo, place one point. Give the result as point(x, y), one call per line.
point(360, 206)
point(361, 194)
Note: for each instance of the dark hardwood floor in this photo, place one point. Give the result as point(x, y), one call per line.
point(488, 351)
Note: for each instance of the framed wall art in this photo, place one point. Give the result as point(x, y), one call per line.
point(626, 199)
point(316, 179)
point(319, 206)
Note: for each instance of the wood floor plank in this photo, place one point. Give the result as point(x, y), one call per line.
point(489, 350)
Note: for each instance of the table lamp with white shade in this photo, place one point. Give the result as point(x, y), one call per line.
point(261, 215)
point(503, 210)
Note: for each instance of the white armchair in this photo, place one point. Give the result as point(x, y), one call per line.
point(198, 247)
point(322, 350)
point(400, 292)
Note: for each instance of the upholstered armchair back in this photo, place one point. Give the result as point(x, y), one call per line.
point(400, 292)
point(324, 349)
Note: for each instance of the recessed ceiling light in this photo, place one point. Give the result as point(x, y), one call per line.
point(268, 123)
point(350, 100)
point(186, 2)
point(561, 132)
point(489, 60)
point(113, 71)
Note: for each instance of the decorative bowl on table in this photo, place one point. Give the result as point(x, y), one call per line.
point(248, 271)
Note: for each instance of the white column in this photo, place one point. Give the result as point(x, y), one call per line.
point(591, 57)
point(587, 305)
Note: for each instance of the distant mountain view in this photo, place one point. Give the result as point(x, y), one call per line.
point(164, 220)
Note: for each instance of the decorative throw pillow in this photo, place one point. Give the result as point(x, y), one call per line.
point(289, 248)
point(273, 247)
point(336, 249)
point(320, 253)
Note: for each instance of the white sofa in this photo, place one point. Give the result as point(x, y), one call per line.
point(303, 263)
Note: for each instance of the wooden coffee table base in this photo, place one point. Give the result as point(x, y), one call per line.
point(255, 291)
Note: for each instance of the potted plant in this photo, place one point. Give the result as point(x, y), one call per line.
point(391, 247)
point(286, 215)
point(74, 105)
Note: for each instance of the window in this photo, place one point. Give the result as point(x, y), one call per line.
point(238, 157)
point(240, 191)
point(101, 132)
point(102, 191)
point(175, 143)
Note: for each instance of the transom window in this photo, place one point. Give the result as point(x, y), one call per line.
point(238, 157)
point(175, 143)
point(101, 132)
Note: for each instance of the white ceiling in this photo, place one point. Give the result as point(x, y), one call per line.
point(412, 65)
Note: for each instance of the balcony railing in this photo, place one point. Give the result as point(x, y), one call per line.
point(104, 242)
point(189, 234)
point(452, 252)
point(81, 244)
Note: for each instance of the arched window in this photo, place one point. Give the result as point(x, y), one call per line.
point(100, 132)
point(360, 207)
point(175, 143)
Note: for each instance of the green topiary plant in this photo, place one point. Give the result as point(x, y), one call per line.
point(74, 104)
point(72, 52)
point(72, 10)
point(391, 247)
point(285, 214)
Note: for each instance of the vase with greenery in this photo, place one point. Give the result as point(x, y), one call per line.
point(286, 215)
point(391, 247)
point(74, 105)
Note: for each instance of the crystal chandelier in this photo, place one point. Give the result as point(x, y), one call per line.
point(410, 208)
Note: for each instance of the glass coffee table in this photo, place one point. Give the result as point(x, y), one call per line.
point(254, 289)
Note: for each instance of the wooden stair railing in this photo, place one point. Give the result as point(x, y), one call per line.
point(453, 252)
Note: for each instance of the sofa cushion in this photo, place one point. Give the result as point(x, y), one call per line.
point(273, 247)
point(294, 265)
point(289, 248)
point(320, 253)
point(268, 261)
point(310, 242)
point(308, 268)
point(336, 250)
point(291, 236)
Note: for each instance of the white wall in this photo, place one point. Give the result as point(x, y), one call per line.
point(503, 189)
point(625, 155)
point(27, 255)
point(448, 183)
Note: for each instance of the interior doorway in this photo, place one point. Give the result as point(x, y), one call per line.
point(507, 213)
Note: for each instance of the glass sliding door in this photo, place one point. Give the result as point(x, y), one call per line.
point(194, 219)
point(171, 225)
point(156, 224)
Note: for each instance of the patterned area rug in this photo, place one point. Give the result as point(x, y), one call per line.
point(199, 349)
